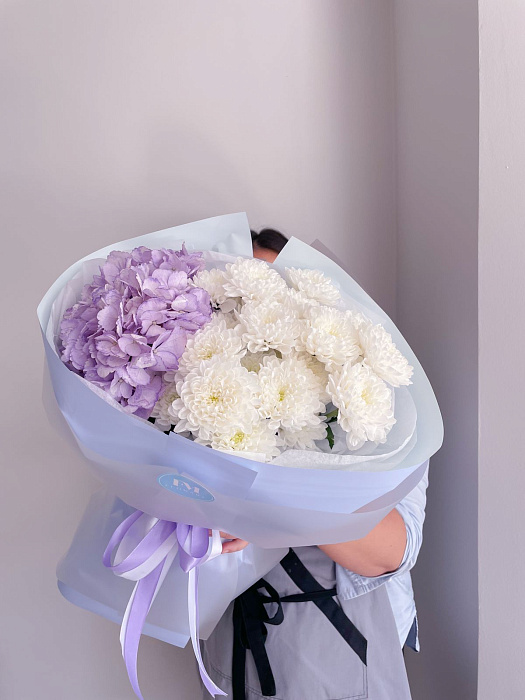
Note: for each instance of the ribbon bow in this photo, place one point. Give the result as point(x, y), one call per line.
point(145, 549)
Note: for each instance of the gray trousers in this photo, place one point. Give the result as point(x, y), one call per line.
point(310, 660)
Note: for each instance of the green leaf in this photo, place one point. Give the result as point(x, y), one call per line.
point(330, 436)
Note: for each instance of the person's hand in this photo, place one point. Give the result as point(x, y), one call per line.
point(233, 544)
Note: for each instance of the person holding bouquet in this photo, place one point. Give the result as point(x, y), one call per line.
point(329, 621)
point(214, 392)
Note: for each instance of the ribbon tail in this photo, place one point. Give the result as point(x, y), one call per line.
point(133, 622)
point(168, 561)
point(215, 547)
point(193, 612)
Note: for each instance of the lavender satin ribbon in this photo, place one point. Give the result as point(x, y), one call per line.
point(145, 549)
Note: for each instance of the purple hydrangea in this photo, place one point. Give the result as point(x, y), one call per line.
point(131, 323)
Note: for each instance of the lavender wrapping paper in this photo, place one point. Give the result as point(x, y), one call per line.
point(272, 505)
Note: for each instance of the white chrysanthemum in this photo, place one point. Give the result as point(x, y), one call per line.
point(305, 438)
point(364, 402)
point(229, 318)
point(259, 439)
point(331, 336)
point(213, 340)
point(213, 282)
point(269, 325)
point(319, 371)
point(359, 320)
point(253, 360)
point(162, 411)
point(216, 395)
point(314, 284)
point(300, 303)
point(289, 394)
point(170, 376)
point(382, 355)
point(252, 279)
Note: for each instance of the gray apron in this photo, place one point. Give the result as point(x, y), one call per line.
point(309, 657)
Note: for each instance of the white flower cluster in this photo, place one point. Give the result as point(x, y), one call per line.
point(276, 362)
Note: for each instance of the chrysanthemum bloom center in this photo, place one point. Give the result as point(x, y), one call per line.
point(365, 395)
point(207, 350)
point(171, 396)
point(282, 394)
point(214, 397)
point(271, 316)
point(238, 438)
point(329, 326)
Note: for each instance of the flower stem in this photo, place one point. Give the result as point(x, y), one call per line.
point(332, 415)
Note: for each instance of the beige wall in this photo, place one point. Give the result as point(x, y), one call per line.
point(437, 194)
point(502, 334)
point(126, 117)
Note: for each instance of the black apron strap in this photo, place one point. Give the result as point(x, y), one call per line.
point(249, 632)
point(250, 618)
point(304, 580)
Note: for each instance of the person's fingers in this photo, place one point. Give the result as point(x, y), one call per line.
point(233, 546)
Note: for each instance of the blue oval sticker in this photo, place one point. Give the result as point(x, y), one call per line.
point(185, 487)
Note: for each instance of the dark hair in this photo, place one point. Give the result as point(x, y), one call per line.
point(269, 238)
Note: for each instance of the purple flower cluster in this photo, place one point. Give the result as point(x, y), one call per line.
point(131, 323)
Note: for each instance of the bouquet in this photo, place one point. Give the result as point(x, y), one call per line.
point(210, 390)
point(236, 359)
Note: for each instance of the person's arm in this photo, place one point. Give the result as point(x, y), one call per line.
point(412, 512)
point(390, 548)
point(378, 553)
